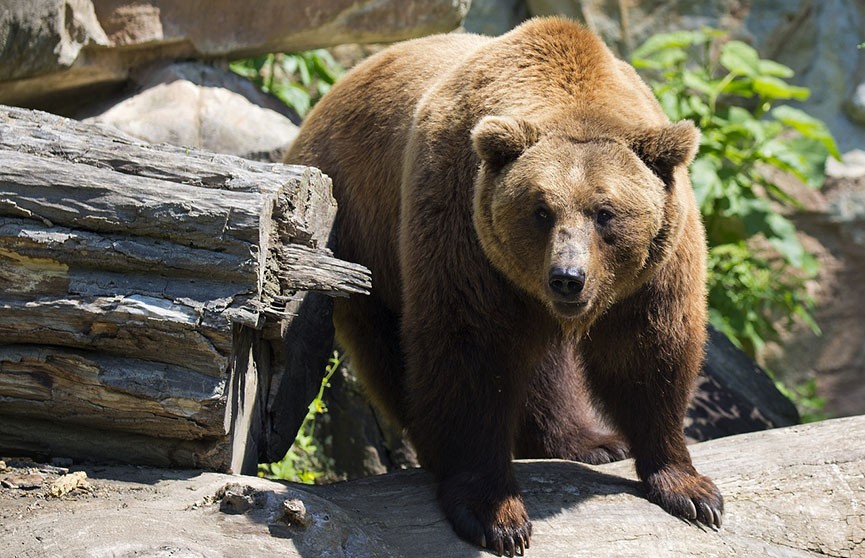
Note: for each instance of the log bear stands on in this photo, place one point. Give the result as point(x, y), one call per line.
point(525, 208)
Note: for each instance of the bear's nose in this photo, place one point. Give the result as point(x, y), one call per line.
point(567, 282)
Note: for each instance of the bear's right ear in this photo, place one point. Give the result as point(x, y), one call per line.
point(499, 140)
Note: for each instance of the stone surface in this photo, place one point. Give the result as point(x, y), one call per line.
point(855, 105)
point(789, 493)
point(494, 17)
point(734, 396)
point(193, 104)
point(817, 38)
point(54, 47)
point(41, 36)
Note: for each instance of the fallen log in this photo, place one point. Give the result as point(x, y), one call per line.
point(158, 295)
point(791, 492)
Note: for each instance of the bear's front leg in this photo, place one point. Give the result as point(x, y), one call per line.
point(462, 414)
point(645, 384)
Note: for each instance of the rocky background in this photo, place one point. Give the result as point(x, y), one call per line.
point(157, 69)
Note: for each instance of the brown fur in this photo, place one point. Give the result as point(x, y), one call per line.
point(467, 170)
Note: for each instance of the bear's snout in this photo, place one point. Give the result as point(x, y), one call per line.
point(567, 282)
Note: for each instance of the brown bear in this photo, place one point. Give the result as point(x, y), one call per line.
point(525, 209)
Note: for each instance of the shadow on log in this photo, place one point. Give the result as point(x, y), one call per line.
point(158, 296)
point(791, 492)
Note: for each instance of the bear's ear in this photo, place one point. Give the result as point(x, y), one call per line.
point(664, 149)
point(499, 140)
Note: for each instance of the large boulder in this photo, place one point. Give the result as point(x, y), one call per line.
point(194, 104)
point(790, 493)
point(53, 47)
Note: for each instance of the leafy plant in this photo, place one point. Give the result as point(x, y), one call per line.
point(809, 403)
point(304, 461)
point(731, 94)
point(297, 79)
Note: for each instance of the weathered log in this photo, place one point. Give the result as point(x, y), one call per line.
point(791, 492)
point(150, 290)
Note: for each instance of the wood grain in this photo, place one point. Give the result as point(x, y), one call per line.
point(147, 291)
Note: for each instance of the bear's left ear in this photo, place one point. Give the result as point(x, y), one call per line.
point(664, 149)
point(499, 140)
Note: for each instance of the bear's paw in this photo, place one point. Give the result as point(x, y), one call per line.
point(485, 514)
point(683, 492)
point(596, 448)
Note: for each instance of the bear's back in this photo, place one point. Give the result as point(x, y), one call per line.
point(357, 135)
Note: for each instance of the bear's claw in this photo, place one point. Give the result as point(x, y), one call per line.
point(509, 541)
point(503, 527)
point(687, 495)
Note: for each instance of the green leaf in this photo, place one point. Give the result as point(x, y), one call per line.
point(704, 177)
point(803, 157)
point(742, 86)
point(294, 96)
point(697, 82)
point(698, 107)
point(739, 115)
point(303, 70)
point(808, 126)
point(772, 68)
point(784, 240)
point(740, 58)
point(676, 40)
point(666, 59)
point(773, 88)
point(325, 67)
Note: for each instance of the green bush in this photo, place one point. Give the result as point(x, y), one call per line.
point(757, 266)
point(297, 79)
point(304, 461)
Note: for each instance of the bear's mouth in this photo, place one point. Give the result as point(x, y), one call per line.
point(570, 309)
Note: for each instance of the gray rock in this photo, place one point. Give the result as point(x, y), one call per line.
point(819, 41)
point(851, 167)
point(494, 17)
point(855, 105)
point(734, 395)
point(193, 104)
point(76, 43)
point(40, 36)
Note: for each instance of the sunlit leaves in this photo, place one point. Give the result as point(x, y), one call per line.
point(297, 79)
point(730, 92)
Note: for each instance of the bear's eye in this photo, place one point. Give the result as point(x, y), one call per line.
point(543, 215)
point(604, 216)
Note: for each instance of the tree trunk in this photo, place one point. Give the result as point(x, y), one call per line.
point(158, 297)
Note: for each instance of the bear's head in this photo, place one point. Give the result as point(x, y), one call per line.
point(582, 219)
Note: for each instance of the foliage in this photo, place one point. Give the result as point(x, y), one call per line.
point(297, 79)
point(731, 93)
point(804, 395)
point(304, 461)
